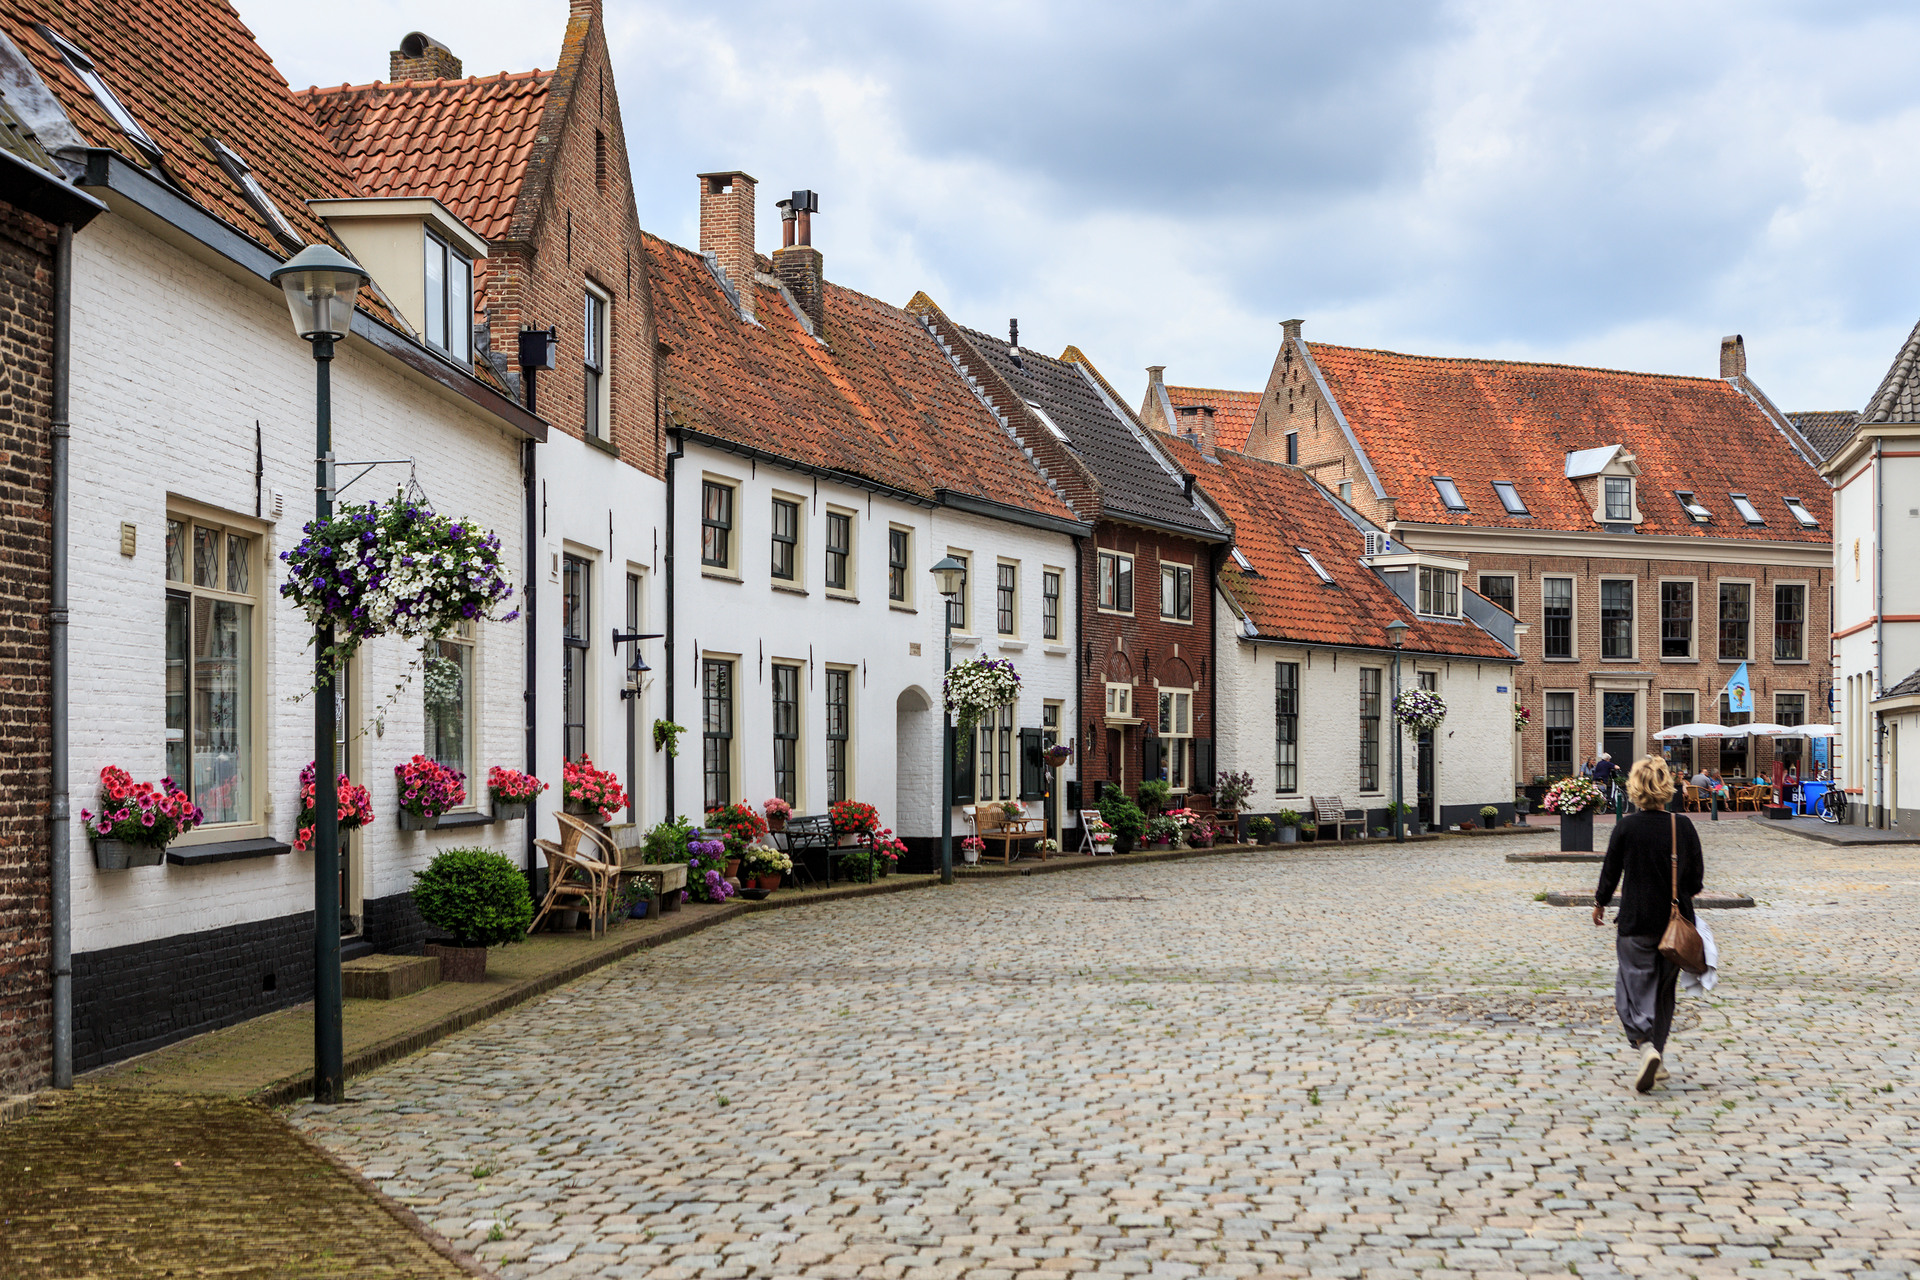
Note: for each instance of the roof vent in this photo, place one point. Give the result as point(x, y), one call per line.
point(421, 57)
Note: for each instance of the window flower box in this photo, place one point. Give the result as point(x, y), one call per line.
point(137, 820)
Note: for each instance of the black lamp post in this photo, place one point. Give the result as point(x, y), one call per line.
point(1398, 631)
point(321, 285)
point(952, 577)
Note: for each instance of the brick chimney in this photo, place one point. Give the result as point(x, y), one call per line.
point(1291, 329)
point(726, 230)
point(1733, 356)
point(421, 57)
point(797, 262)
point(1209, 436)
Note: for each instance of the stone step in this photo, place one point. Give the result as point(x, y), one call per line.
point(381, 977)
point(1708, 900)
point(1556, 857)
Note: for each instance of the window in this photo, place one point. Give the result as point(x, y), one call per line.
point(1176, 737)
point(1116, 582)
point(1369, 728)
point(1006, 598)
point(786, 732)
point(256, 195)
point(1509, 498)
point(1449, 494)
point(1559, 715)
point(1119, 701)
point(1676, 619)
point(1286, 727)
point(1695, 512)
point(1293, 448)
point(996, 755)
point(1746, 509)
point(1733, 751)
point(1346, 491)
point(83, 66)
point(210, 676)
point(1736, 619)
point(1789, 623)
point(957, 605)
point(449, 300)
point(839, 733)
point(593, 345)
point(1616, 618)
point(576, 644)
point(716, 524)
point(716, 729)
point(1315, 565)
point(786, 538)
point(1498, 589)
point(448, 694)
point(1677, 709)
point(1050, 605)
point(1176, 592)
point(1439, 592)
point(899, 563)
point(1619, 497)
point(1798, 510)
point(1789, 709)
point(1556, 617)
point(839, 551)
point(1048, 422)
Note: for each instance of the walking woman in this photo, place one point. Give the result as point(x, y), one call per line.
point(1642, 850)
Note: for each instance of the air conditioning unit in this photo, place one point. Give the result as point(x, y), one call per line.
point(1378, 544)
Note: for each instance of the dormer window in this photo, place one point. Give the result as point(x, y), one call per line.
point(1619, 494)
point(1315, 565)
point(1695, 512)
point(1439, 592)
point(1509, 498)
point(83, 67)
point(1798, 510)
point(449, 287)
point(1747, 510)
point(421, 256)
point(256, 195)
point(1449, 493)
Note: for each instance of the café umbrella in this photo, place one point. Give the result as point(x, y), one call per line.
point(1680, 731)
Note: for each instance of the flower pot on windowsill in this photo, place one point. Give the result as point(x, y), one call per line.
point(581, 809)
point(411, 821)
point(505, 812)
point(459, 964)
point(119, 855)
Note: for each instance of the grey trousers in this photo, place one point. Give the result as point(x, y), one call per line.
point(1643, 990)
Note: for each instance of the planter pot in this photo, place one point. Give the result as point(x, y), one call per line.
point(509, 812)
point(416, 821)
point(1487, 820)
point(776, 824)
point(119, 855)
point(769, 882)
point(970, 856)
point(460, 964)
point(1576, 832)
point(587, 811)
point(1289, 835)
point(563, 920)
point(884, 867)
point(1123, 844)
point(1160, 844)
point(733, 868)
point(638, 911)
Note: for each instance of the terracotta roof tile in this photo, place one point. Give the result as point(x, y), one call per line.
point(1276, 510)
point(1233, 411)
point(1478, 421)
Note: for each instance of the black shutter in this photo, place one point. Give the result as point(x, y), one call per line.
point(1149, 759)
point(962, 765)
point(1033, 770)
point(1203, 765)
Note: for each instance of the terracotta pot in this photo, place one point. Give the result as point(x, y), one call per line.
point(776, 824)
point(733, 868)
point(769, 882)
point(460, 964)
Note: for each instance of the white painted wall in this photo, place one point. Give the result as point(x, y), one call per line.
point(1876, 516)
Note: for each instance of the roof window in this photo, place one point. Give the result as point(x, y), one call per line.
point(1509, 498)
point(242, 173)
point(1798, 510)
point(82, 66)
point(1240, 559)
point(1746, 509)
point(1449, 493)
point(1697, 513)
point(1048, 422)
point(1315, 565)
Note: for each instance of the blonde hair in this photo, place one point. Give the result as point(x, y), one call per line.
point(1650, 784)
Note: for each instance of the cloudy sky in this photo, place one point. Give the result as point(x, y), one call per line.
point(1163, 183)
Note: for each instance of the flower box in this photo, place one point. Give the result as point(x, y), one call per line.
point(411, 821)
point(118, 855)
point(137, 820)
point(509, 812)
point(581, 809)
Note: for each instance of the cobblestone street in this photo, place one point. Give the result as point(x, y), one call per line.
point(1370, 1062)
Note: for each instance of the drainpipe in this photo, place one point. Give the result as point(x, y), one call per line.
point(59, 825)
point(531, 693)
point(1079, 685)
point(1879, 815)
point(679, 450)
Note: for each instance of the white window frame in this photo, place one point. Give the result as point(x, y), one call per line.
point(906, 598)
point(849, 772)
point(1120, 702)
point(1315, 565)
point(1450, 496)
point(1058, 578)
point(1806, 622)
point(466, 636)
point(1170, 571)
point(1000, 566)
point(960, 612)
point(775, 666)
point(1798, 510)
point(850, 568)
point(730, 567)
point(798, 581)
point(1510, 500)
point(1176, 736)
point(1447, 581)
point(1607, 484)
point(1573, 617)
point(1118, 559)
point(1633, 617)
point(735, 735)
point(1752, 610)
point(1750, 514)
point(596, 359)
point(456, 342)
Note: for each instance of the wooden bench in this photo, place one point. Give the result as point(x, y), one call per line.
point(1328, 811)
point(990, 822)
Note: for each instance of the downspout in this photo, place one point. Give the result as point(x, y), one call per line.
point(531, 693)
point(679, 449)
point(60, 833)
point(1214, 557)
point(1079, 686)
point(1878, 816)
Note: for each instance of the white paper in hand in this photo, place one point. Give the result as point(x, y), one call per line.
point(1703, 982)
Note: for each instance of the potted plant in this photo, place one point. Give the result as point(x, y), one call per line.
point(476, 899)
point(1489, 814)
point(1013, 810)
point(974, 689)
point(970, 849)
point(1309, 829)
point(354, 807)
point(1260, 829)
point(1419, 710)
point(1125, 817)
point(1200, 834)
point(1048, 846)
point(1404, 810)
point(887, 851)
point(706, 869)
point(853, 819)
point(740, 827)
point(590, 793)
point(1101, 833)
point(666, 736)
point(510, 791)
point(1154, 796)
point(766, 866)
point(1230, 791)
point(1288, 821)
point(1574, 799)
point(1537, 790)
point(1162, 832)
point(137, 820)
point(427, 790)
point(633, 898)
point(777, 811)
point(860, 864)
point(667, 842)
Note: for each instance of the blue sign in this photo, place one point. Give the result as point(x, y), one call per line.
point(1499, 688)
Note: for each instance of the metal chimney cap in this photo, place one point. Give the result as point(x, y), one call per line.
point(806, 202)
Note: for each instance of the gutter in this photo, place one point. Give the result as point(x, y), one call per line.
point(1208, 534)
point(1512, 661)
point(1011, 514)
point(531, 706)
point(684, 434)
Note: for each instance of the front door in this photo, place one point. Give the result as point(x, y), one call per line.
point(1050, 799)
point(1425, 808)
point(1618, 722)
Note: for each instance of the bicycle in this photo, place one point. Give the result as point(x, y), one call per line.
point(1833, 805)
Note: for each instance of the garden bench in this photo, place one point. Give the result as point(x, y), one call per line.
point(809, 841)
point(990, 822)
point(1329, 812)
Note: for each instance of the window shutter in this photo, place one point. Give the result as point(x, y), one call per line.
point(1033, 770)
point(1150, 760)
point(1203, 765)
point(962, 765)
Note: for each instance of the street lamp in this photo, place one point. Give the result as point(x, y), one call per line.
point(951, 575)
point(1397, 631)
point(321, 285)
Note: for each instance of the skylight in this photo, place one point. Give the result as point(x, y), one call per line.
point(1049, 423)
point(1510, 498)
point(1798, 510)
point(1314, 565)
point(1449, 493)
point(82, 66)
point(1241, 560)
point(241, 172)
point(1745, 508)
point(1698, 513)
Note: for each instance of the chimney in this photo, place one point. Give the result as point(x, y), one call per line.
point(1733, 356)
point(421, 57)
point(797, 262)
point(1156, 374)
point(1209, 437)
point(1290, 329)
point(726, 230)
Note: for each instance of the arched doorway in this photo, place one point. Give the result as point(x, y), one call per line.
point(917, 778)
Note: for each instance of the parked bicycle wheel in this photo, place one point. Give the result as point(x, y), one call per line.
point(1833, 805)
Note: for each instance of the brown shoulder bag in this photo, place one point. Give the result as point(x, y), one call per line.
point(1681, 942)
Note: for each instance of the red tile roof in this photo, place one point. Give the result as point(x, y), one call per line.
point(1478, 421)
point(1276, 510)
point(879, 400)
point(1233, 411)
point(467, 143)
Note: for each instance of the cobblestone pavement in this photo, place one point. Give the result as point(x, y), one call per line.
point(1370, 1063)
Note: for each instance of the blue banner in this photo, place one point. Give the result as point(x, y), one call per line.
point(1738, 693)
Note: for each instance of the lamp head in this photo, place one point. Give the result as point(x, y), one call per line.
point(951, 576)
point(321, 284)
point(1397, 631)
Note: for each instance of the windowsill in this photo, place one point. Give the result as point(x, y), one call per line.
point(1738, 660)
point(1793, 662)
point(448, 821)
point(1559, 659)
point(1012, 646)
point(607, 447)
point(897, 607)
point(1695, 661)
point(1124, 722)
point(1115, 613)
point(843, 597)
point(1619, 659)
point(1058, 650)
point(720, 577)
point(200, 855)
point(791, 591)
point(962, 638)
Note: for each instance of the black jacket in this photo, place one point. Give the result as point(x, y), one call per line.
point(1640, 850)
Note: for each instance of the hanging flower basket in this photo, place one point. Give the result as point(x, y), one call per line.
point(355, 807)
point(972, 690)
point(1521, 719)
point(394, 568)
point(1420, 709)
point(137, 820)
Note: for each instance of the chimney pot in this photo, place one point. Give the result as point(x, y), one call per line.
point(726, 229)
point(799, 265)
point(421, 57)
point(1733, 356)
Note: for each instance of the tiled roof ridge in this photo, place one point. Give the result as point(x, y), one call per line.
point(397, 86)
point(1491, 362)
point(1212, 391)
point(1898, 384)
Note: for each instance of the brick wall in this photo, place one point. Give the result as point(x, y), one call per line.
point(26, 347)
point(1292, 403)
